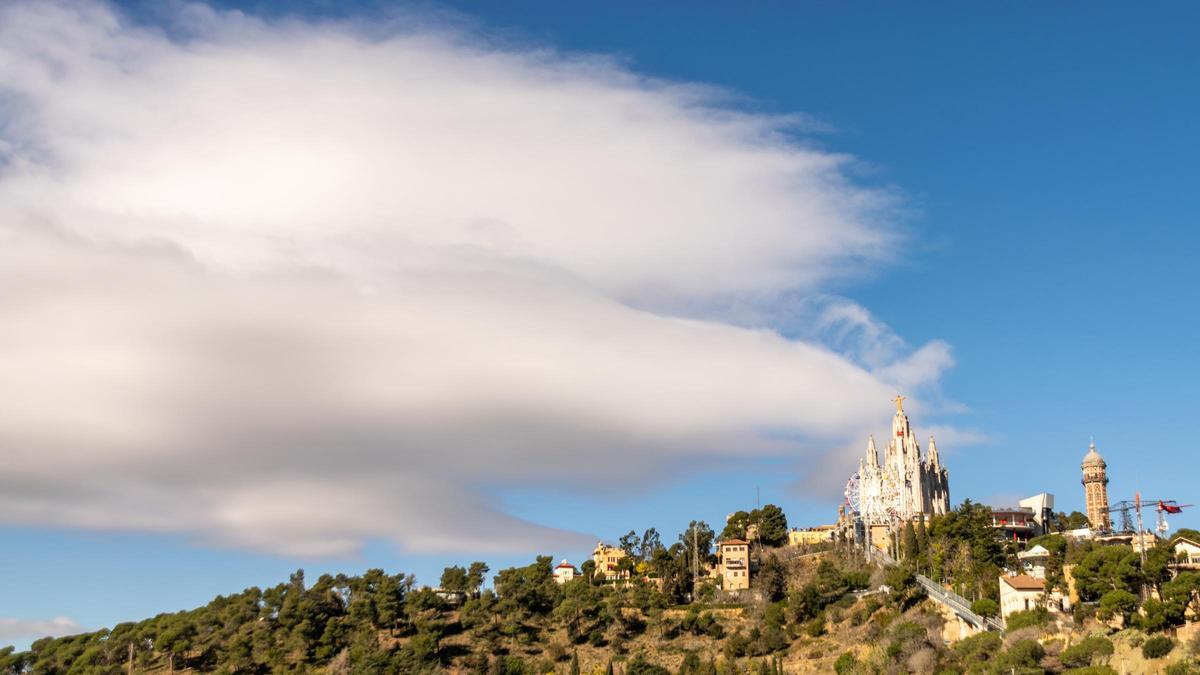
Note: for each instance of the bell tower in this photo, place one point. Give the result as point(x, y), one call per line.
point(1095, 489)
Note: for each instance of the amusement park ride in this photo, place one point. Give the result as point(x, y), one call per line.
point(873, 504)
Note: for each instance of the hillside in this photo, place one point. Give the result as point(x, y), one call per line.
point(823, 611)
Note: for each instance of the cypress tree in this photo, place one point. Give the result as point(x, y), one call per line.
point(910, 541)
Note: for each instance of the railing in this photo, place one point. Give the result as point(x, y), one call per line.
point(954, 601)
point(957, 604)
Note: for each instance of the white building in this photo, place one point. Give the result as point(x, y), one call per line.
point(1187, 553)
point(1034, 561)
point(922, 483)
point(1042, 506)
point(564, 572)
point(1020, 593)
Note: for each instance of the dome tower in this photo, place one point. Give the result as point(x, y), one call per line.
point(1095, 489)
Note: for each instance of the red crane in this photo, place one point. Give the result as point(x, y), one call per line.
point(1164, 507)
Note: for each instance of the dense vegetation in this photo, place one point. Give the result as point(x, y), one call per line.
point(810, 606)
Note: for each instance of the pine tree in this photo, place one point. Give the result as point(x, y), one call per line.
point(911, 548)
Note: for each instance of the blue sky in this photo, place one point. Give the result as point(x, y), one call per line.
point(1045, 158)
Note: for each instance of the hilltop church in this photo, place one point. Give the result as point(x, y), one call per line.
point(920, 486)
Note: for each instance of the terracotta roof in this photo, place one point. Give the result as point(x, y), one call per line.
point(733, 541)
point(565, 565)
point(1024, 582)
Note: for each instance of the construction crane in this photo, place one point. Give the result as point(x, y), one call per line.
point(1164, 507)
point(1130, 512)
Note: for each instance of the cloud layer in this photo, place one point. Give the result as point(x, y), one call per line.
point(15, 629)
point(294, 285)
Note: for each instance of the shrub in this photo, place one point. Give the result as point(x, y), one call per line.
point(1157, 647)
point(640, 666)
point(845, 664)
point(1085, 652)
point(985, 607)
point(1033, 617)
point(1181, 668)
point(978, 648)
point(1022, 654)
point(1091, 670)
point(816, 627)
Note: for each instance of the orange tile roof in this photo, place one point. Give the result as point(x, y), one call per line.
point(733, 541)
point(1024, 582)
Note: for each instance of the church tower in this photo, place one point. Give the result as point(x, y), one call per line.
point(1095, 489)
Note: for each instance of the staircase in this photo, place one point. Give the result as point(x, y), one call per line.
point(950, 599)
point(957, 604)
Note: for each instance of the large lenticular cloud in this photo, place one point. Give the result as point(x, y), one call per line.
point(290, 286)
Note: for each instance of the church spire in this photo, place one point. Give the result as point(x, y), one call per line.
point(872, 453)
point(933, 453)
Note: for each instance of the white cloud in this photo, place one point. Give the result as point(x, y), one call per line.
point(292, 286)
point(12, 629)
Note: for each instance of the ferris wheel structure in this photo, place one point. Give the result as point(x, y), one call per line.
point(875, 499)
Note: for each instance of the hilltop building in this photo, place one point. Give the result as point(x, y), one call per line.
point(564, 572)
point(1019, 593)
point(1042, 506)
point(733, 564)
point(1015, 523)
point(1187, 554)
point(1095, 490)
point(1034, 561)
point(821, 534)
point(922, 483)
point(607, 558)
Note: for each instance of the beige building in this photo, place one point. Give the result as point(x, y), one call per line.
point(1095, 490)
point(821, 534)
point(606, 558)
point(733, 564)
point(1020, 593)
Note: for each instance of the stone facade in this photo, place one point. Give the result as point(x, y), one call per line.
point(1095, 490)
point(922, 482)
point(607, 558)
point(733, 564)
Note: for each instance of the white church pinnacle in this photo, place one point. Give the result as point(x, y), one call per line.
point(872, 453)
point(933, 453)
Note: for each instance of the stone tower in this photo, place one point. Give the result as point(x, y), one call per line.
point(1095, 490)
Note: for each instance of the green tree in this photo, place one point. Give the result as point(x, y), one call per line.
point(530, 589)
point(772, 525)
point(985, 607)
point(1118, 602)
point(1107, 568)
point(736, 525)
point(703, 542)
point(629, 543)
point(476, 574)
point(455, 579)
point(651, 544)
point(771, 578)
point(1183, 592)
point(909, 543)
point(1074, 521)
